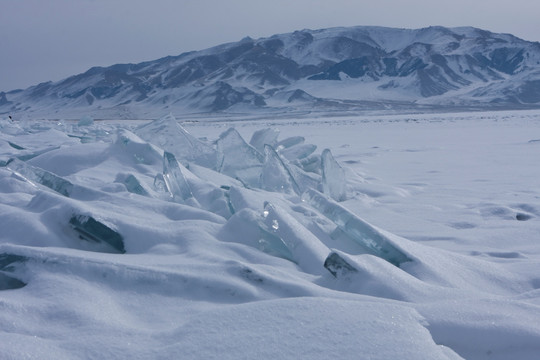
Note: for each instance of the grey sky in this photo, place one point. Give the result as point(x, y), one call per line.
point(43, 40)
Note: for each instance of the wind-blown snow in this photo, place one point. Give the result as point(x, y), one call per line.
point(117, 241)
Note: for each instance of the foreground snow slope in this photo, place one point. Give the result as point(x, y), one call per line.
point(152, 240)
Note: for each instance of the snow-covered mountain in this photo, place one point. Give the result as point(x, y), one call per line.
point(337, 69)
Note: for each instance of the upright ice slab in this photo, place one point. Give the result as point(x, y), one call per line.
point(275, 175)
point(365, 234)
point(333, 177)
point(239, 159)
point(92, 230)
point(264, 137)
point(174, 179)
point(172, 137)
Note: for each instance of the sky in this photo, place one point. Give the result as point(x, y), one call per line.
point(53, 39)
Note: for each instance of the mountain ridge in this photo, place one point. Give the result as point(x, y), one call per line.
point(337, 69)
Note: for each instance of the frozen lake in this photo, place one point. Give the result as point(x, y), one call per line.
point(217, 272)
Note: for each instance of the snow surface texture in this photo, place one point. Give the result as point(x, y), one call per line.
point(394, 237)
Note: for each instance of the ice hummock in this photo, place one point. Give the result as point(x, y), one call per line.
point(360, 231)
point(333, 177)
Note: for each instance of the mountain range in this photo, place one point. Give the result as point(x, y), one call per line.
point(330, 70)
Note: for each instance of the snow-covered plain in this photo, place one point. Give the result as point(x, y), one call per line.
point(201, 265)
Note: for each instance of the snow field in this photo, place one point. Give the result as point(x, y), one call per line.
point(229, 271)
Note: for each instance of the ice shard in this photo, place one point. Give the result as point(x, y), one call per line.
point(159, 184)
point(137, 149)
point(272, 244)
point(307, 250)
point(255, 233)
point(15, 146)
point(43, 177)
point(8, 282)
point(333, 177)
point(239, 159)
point(303, 179)
point(8, 263)
point(264, 137)
point(338, 266)
point(172, 137)
point(298, 151)
point(92, 230)
point(175, 181)
point(365, 234)
point(275, 175)
point(132, 184)
point(290, 141)
point(311, 163)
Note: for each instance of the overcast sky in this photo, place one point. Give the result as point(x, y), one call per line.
point(43, 40)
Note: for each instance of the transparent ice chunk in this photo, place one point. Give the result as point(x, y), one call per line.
point(307, 250)
point(159, 184)
point(239, 159)
point(298, 151)
point(333, 177)
point(365, 234)
point(272, 244)
point(43, 177)
point(132, 184)
point(311, 163)
point(175, 181)
point(139, 150)
point(264, 137)
point(92, 230)
point(303, 179)
point(275, 175)
point(172, 137)
point(255, 233)
point(290, 141)
point(338, 266)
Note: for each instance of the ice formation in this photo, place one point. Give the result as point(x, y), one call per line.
point(169, 135)
point(239, 159)
point(365, 234)
point(333, 177)
point(275, 175)
point(42, 177)
point(175, 181)
point(93, 230)
point(263, 137)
